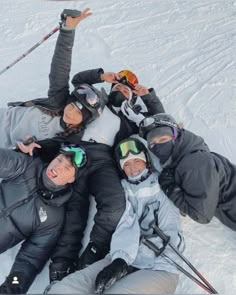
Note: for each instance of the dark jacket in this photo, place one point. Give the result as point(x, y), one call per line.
point(100, 179)
point(205, 182)
point(26, 215)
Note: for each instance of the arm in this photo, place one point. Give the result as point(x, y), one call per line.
point(33, 254)
point(61, 61)
point(197, 193)
point(12, 164)
point(127, 230)
point(153, 103)
point(70, 241)
point(89, 77)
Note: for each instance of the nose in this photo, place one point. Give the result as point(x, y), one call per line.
point(134, 170)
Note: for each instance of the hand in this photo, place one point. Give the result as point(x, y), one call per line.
point(59, 270)
point(110, 274)
point(28, 148)
point(90, 255)
point(167, 181)
point(130, 114)
point(140, 90)
point(71, 20)
point(110, 77)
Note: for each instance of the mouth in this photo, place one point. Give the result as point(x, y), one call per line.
point(52, 174)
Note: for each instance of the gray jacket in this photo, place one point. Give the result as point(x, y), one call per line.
point(143, 200)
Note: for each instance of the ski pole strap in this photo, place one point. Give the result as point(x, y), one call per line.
point(160, 233)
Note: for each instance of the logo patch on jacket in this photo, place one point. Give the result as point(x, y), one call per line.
point(42, 214)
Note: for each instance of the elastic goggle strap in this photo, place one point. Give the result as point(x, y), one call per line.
point(128, 78)
point(127, 147)
point(77, 155)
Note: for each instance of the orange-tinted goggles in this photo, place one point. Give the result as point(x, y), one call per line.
point(128, 78)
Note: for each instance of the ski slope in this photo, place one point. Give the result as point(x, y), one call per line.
point(185, 49)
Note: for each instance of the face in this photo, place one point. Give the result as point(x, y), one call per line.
point(160, 139)
point(125, 90)
point(72, 115)
point(61, 171)
point(134, 167)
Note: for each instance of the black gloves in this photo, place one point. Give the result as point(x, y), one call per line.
point(14, 284)
point(91, 254)
point(110, 274)
point(60, 269)
point(167, 181)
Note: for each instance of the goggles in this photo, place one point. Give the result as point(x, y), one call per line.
point(91, 97)
point(129, 146)
point(128, 78)
point(147, 124)
point(77, 155)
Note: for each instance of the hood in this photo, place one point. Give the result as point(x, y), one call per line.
point(186, 143)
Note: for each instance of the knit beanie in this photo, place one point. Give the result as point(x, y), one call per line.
point(159, 131)
point(140, 156)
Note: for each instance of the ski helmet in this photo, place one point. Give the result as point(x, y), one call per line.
point(134, 147)
point(88, 97)
point(155, 121)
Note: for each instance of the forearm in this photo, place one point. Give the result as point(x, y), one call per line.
point(61, 62)
point(153, 103)
point(89, 77)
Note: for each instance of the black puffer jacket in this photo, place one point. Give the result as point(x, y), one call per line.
point(26, 215)
point(205, 181)
point(99, 178)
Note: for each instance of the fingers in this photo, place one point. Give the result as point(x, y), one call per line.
point(85, 13)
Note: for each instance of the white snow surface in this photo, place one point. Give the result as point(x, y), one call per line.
point(185, 49)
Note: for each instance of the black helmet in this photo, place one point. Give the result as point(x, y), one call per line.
point(86, 96)
point(158, 120)
point(130, 145)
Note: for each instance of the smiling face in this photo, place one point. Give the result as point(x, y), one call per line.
point(72, 115)
point(134, 167)
point(125, 90)
point(61, 170)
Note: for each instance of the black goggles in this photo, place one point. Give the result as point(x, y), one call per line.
point(77, 155)
point(129, 146)
point(147, 124)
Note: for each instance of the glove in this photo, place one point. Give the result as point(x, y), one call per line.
point(60, 269)
point(130, 114)
point(110, 274)
point(70, 12)
point(90, 255)
point(14, 284)
point(168, 183)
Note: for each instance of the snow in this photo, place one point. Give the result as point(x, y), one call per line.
point(185, 49)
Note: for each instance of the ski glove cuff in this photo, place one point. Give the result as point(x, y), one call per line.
point(59, 270)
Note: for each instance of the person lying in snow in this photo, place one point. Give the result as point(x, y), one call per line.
point(201, 183)
point(32, 196)
point(131, 267)
point(99, 137)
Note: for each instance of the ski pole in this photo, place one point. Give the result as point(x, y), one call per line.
point(189, 275)
point(31, 49)
point(164, 237)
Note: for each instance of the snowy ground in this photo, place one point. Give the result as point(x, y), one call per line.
point(186, 49)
